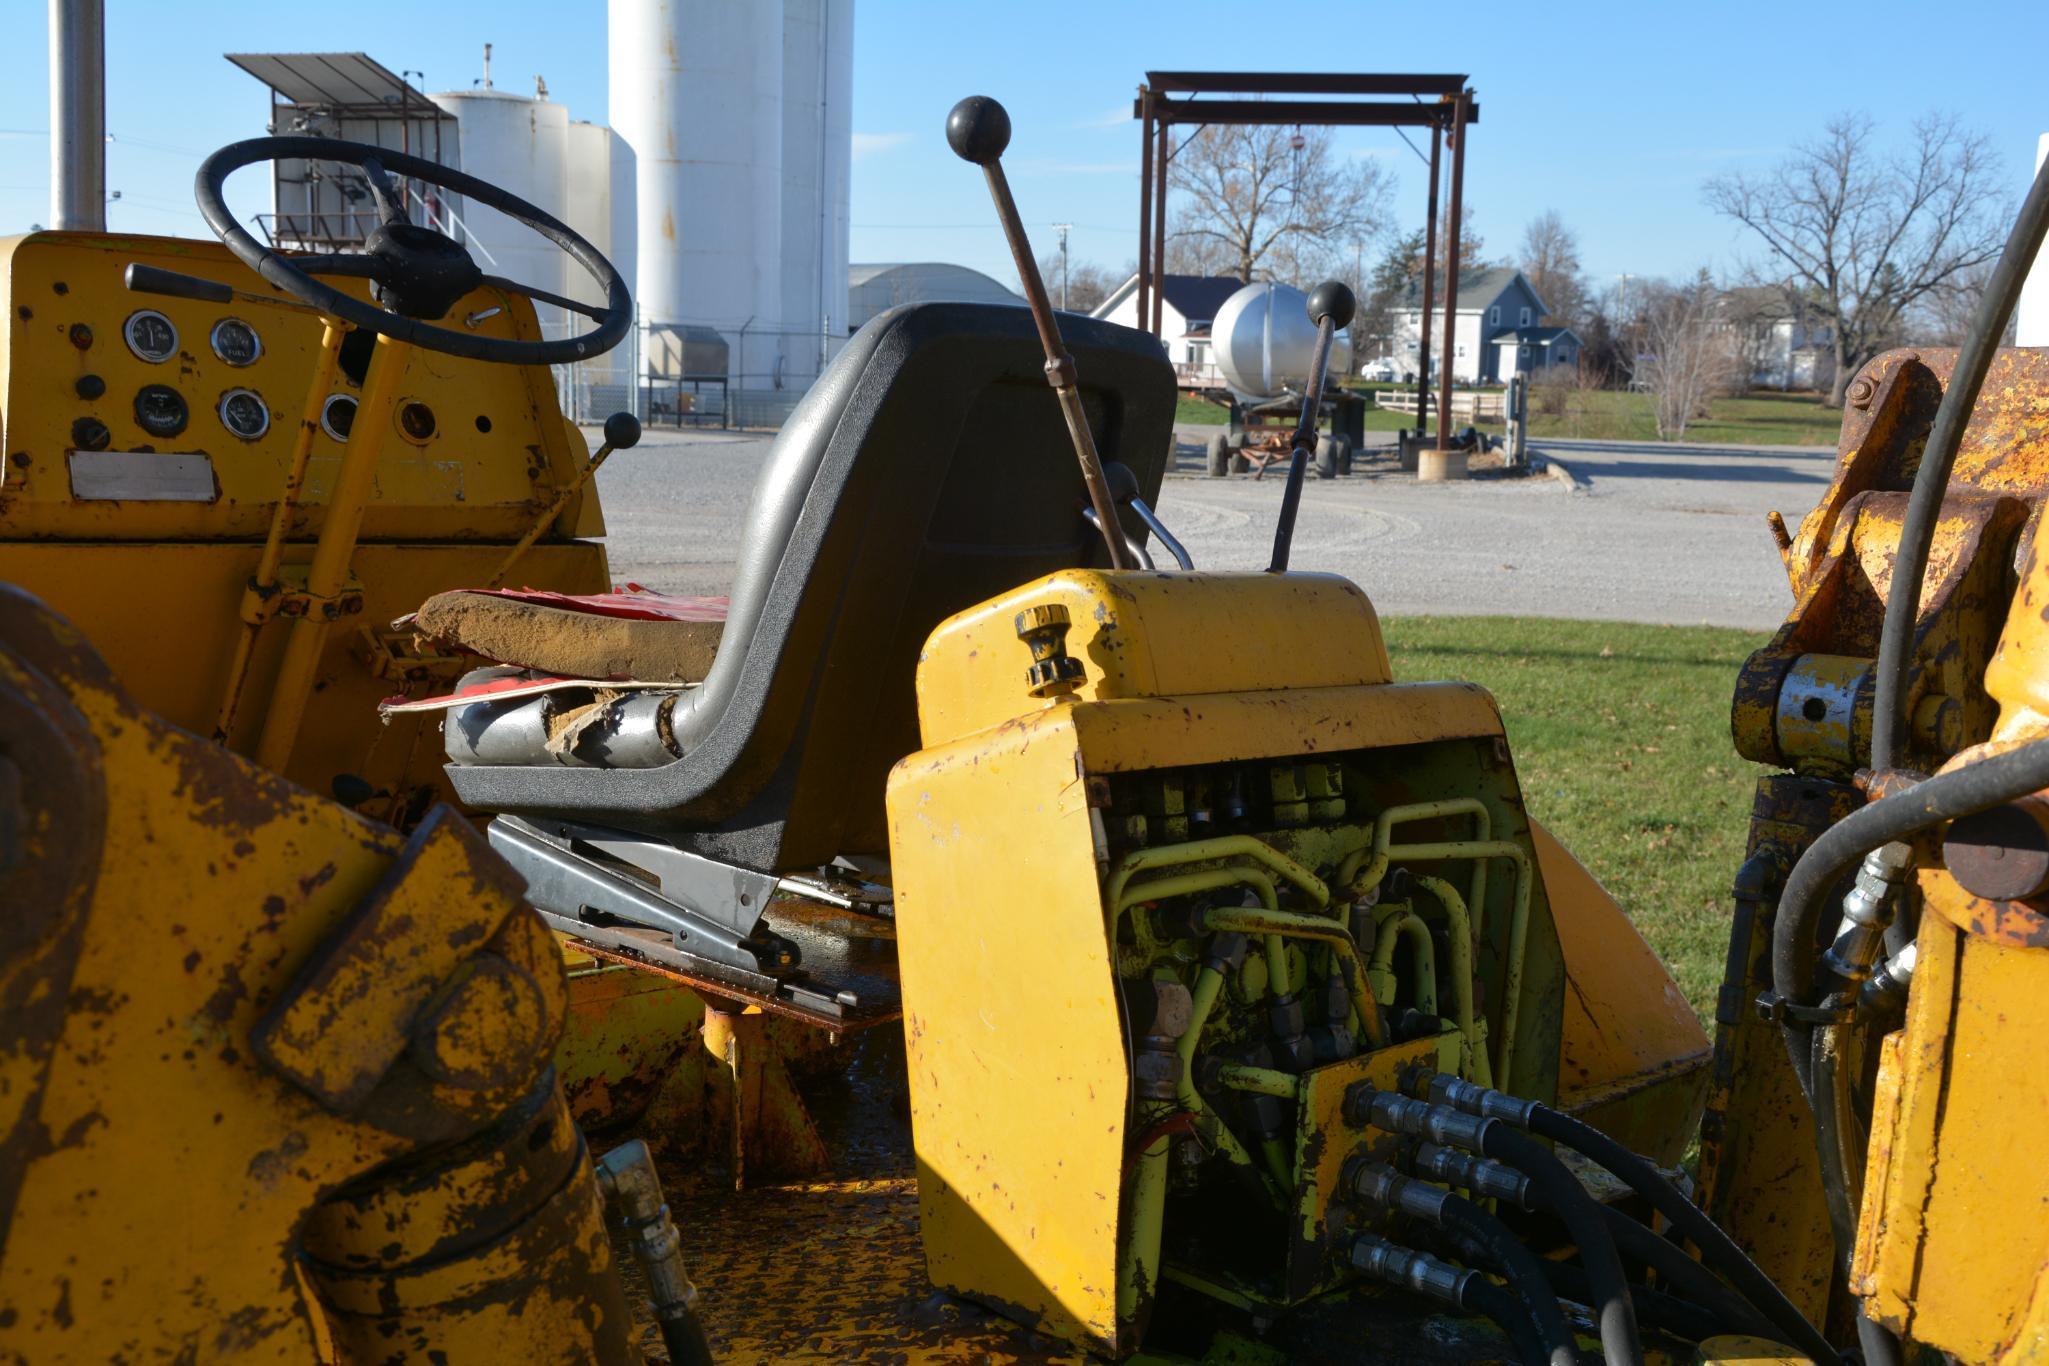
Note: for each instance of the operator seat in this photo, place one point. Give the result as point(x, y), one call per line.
point(927, 470)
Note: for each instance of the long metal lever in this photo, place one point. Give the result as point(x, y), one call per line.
point(978, 130)
point(1330, 307)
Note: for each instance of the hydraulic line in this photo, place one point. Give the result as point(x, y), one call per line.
point(1523, 1269)
point(1674, 1315)
point(1960, 792)
point(1397, 928)
point(1459, 930)
point(1454, 1285)
point(1552, 1187)
point(1687, 1278)
point(1924, 505)
point(1718, 1249)
point(1246, 920)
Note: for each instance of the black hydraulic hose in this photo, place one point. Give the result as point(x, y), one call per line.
point(1482, 1296)
point(1559, 1192)
point(1917, 531)
point(1524, 1271)
point(1655, 1308)
point(1717, 1247)
point(683, 1336)
point(1687, 1278)
point(1960, 792)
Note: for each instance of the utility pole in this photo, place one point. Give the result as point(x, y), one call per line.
point(1063, 229)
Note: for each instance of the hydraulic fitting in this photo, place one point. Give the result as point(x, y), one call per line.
point(1481, 1175)
point(627, 1177)
point(1380, 1185)
point(1366, 1104)
point(1474, 1099)
point(1292, 1050)
point(1867, 911)
point(1884, 997)
point(1160, 1015)
point(1424, 1274)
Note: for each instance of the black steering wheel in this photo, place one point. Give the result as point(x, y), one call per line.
point(416, 273)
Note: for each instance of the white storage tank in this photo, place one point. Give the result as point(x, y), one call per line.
point(519, 143)
point(817, 146)
point(696, 95)
point(1264, 343)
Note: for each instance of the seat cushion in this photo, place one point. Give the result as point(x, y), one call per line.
point(646, 637)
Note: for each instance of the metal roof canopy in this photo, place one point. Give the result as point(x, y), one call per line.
point(347, 82)
point(1441, 103)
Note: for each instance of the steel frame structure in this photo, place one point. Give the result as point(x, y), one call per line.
point(1444, 104)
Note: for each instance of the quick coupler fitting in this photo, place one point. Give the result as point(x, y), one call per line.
point(1446, 1089)
point(1480, 1175)
point(1868, 911)
point(1417, 1271)
point(1379, 1185)
point(1366, 1105)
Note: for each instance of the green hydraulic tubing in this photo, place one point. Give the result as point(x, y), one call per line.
point(1259, 1081)
point(1459, 931)
point(1350, 877)
point(1213, 850)
point(1395, 927)
point(1288, 924)
point(1518, 929)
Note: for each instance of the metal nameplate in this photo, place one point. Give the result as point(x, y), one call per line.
point(142, 476)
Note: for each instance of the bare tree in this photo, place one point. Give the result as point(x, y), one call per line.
point(1689, 354)
point(1253, 203)
point(1945, 314)
point(1085, 284)
point(1868, 234)
point(1550, 262)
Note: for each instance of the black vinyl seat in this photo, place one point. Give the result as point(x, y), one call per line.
point(927, 470)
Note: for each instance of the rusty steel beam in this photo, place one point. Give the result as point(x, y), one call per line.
point(1429, 283)
point(1456, 136)
point(1303, 83)
point(1145, 201)
point(1160, 155)
point(1316, 113)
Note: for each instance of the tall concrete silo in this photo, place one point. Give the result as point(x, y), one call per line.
point(518, 142)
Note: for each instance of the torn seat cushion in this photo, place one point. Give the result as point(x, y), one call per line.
point(637, 635)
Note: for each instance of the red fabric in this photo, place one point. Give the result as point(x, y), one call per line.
point(631, 603)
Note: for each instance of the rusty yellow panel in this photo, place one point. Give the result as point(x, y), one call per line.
point(1151, 635)
point(1960, 1252)
point(165, 618)
point(498, 448)
point(1632, 1056)
point(628, 1033)
point(1016, 1047)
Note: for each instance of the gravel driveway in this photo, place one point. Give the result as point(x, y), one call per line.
point(1658, 533)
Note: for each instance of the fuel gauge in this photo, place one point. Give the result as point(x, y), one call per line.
point(235, 342)
point(242, 412)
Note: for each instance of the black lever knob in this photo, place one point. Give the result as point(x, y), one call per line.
point(978, 129)
point(1332, 300)
point(622, 431)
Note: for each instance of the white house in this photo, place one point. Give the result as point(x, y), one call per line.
point(1188, 305)
point(1497, 333)
point(1780, 344)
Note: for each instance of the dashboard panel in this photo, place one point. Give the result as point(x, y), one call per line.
point(127, 416)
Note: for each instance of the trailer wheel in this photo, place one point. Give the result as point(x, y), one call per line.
point(1239, 464)
point(1344, 455)
point(1326, 458)
point(1220, 453)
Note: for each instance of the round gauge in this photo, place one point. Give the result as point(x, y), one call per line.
point(160, 410)
point(150, 335)
point(242, 412)
point(235, 342)
point(337, 415)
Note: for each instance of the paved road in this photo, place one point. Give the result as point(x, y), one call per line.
point(1659, 533)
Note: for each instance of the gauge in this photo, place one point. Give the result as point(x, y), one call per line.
point(242, 412)
point(235, 342)
point(160, 410)
point(150, 335)
point(337, 415)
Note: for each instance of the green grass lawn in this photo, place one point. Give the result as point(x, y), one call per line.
point(1611, 415)
point(1621, 738)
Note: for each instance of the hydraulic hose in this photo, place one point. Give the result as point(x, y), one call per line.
point(1559, 1192)
point(1717, 1247)
point(1655, 1308)
point(1982, 783)
point(1455, 1285)
point(1687, 1278)
point(1924, 505)
point(1496, 1244)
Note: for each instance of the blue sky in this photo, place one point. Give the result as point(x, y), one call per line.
point(1611, 114)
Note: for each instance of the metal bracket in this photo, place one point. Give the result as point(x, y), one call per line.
point(288, 597)
point(1775, 1009)
point(589, 876)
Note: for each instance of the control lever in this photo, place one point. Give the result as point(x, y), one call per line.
point(1330, 307)
point(978, 129)
point(1124, 492)
point(622, 433)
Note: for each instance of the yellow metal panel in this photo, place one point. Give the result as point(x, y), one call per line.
point(1152, 635)
point(1632, 1056)
point(164, 617)
point(1010, 996)
point(498, 453)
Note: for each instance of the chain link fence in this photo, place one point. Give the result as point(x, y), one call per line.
point(701, 375)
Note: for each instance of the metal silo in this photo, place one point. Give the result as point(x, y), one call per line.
point(518, 142)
